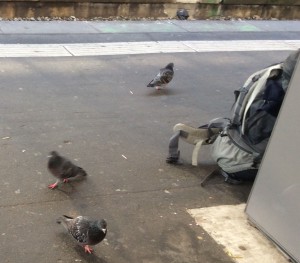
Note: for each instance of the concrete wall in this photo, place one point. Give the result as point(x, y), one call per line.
point(261, 2)
point(198, 9)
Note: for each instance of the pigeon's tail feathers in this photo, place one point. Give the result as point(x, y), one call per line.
point(64, 220)
point(82, 172)
point(151, 84)
point(68, 217)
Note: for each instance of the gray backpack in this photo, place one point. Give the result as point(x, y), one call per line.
point(238, 143)
point(244, 137)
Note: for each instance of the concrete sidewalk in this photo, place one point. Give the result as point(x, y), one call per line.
point(82, 32)
point(97, 111)
point(159, 26)
point(77, 38)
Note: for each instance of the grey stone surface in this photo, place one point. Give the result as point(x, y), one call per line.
point(138, 27)
point(42, 27)
point(96, 111)
point(31, 32)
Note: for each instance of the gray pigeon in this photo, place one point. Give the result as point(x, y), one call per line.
point(86, 232)
point(164, 76)
point(63, 169)
point(182, 14)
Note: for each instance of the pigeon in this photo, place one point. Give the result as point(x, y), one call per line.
point(163, 77)
point(87, 232)
point(182, 14)
point(63, 169)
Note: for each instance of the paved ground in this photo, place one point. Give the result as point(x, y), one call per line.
point(97, 111)
point(127, 31)
point(229, 226)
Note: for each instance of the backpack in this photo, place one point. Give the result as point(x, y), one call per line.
point(238, 143)
point(242, 142)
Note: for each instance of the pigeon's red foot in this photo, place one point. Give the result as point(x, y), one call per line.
point(158, 88)
point(66, 181)
point(52, 186)
point(88, 249)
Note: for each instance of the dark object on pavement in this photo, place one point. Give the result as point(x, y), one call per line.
point(232, 178)
point(182, 14)
point(173, 159)
point(239, 177)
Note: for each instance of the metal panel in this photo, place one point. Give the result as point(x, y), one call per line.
point(274, 203)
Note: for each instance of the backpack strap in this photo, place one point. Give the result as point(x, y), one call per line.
point(202, 135)
point(243, 94)
point(239, 99)
point(196, 152)
point(173, 148)
point(257, 88)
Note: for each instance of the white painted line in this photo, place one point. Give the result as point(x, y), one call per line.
point(242, 45)
point(29, 50)
point(125, 48)
point(229, 227)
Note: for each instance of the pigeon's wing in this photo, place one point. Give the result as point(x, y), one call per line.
point(59, 169)
point(166, 75)
point(79, 228)
point(66, 221)
point(55, 172)
point(63, 168)
point(156, 81)
point(54, 161)
point(58, 165)
point(68, 169)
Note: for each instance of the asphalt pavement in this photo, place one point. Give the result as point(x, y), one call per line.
point(38, 32)
point(97, 111)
